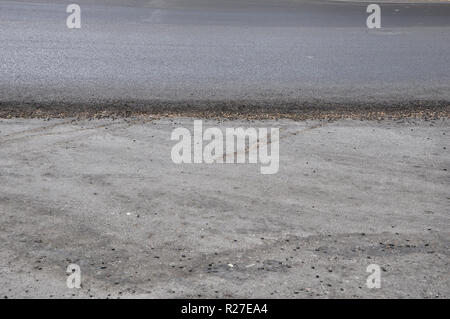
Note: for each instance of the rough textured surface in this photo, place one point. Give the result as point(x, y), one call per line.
point(227, 54)
point(229, 110)
point(105, 194)
point(95, 184)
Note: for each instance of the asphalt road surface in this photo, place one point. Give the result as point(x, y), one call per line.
point(237, 54)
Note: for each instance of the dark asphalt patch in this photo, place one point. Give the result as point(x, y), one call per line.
point(228, 109)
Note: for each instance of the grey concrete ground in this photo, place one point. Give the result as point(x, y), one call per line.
point(105, 194)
